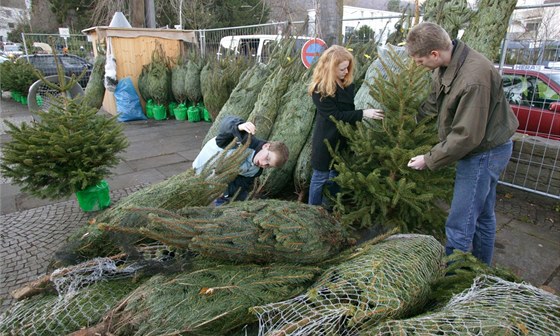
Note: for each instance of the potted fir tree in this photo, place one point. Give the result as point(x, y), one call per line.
point(69, 149)
point(24, 76)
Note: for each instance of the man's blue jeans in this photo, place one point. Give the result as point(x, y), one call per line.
point(471, 224)
point(320, 179)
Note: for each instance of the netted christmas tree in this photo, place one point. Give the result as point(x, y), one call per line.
point(260, 231)
point(485, 22)
point(371, 283)
point(377, 187)
point(208, 299)
point(451, 15)
point(492, 306)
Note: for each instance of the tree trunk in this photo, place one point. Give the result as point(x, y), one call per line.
point(150, 14)
point(329, 18)
point(138, 13)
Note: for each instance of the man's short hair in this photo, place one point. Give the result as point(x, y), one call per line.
point(425, 38)
point(281, 151)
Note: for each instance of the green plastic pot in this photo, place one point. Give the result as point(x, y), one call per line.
point(172, 106)
point(193, 114)
point(23, 100)
point(17, 96)
point(204, 114)
point(150, 109)
point(160, 112)
point(94, 197)
point(180, 112)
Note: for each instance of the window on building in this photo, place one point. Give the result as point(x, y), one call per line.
point(532, 26)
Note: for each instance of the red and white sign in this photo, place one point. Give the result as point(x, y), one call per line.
point(311, 51)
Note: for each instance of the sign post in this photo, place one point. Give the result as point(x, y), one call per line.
point(65, 34)
point(311, 51)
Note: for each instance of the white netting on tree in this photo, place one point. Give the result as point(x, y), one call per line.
point(379, 68)
point(492, 306)
point(71, 298)
point(378, 282)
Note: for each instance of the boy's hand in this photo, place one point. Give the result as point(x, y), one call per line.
point(248, 127)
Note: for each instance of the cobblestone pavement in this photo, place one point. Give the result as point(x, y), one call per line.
point(33, 236)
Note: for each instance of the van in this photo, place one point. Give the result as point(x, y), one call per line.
point(246, 45)
point(255, 46)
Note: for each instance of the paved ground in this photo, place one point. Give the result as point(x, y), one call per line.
point(528, 239)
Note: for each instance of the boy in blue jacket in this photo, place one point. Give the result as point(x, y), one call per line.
point(262, 155)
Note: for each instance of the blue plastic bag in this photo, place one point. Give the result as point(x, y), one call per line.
point(128, 101)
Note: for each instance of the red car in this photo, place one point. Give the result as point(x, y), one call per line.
point(534, 96)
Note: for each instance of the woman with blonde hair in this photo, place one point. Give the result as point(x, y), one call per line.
point(332, 91)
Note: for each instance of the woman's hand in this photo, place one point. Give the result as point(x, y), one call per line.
point(373, 114)
point(248, 127)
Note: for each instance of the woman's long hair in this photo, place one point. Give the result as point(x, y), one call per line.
point(324, 79)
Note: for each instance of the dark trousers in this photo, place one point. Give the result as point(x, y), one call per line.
point(241, 186)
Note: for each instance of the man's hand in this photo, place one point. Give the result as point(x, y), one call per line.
point(417, 163)
point(373, 114)
point(248, 127)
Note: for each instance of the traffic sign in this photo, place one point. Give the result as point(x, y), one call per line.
point(311, 51)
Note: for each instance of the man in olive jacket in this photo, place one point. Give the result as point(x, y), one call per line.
point(475, 124)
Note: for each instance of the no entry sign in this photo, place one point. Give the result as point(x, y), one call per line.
point(311, 51)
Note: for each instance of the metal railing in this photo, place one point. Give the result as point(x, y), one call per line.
point(75, 44)
point(530, 56)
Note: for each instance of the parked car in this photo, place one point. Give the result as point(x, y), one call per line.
point(72, 65)
point(534, 96)
point(12, 50)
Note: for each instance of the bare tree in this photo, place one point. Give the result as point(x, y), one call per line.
point(195, 14)
point(542, 28)
point(104, 10)
point(329, 19)
point(287, 10)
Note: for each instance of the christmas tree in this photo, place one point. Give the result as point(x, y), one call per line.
point(377, 187)
point(68, 149)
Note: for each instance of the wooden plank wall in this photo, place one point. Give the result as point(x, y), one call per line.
point(131, 54)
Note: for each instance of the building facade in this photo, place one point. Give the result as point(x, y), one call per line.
point(12, 12)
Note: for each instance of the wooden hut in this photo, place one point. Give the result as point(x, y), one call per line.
point(133, 47)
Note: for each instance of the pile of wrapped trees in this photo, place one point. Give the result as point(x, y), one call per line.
point(189, 81)
point(380, 287)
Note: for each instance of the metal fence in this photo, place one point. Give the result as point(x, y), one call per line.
point(74, 44)
point(530, 65)
point(380, 27)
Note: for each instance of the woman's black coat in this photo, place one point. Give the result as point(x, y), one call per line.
point(341, 107)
